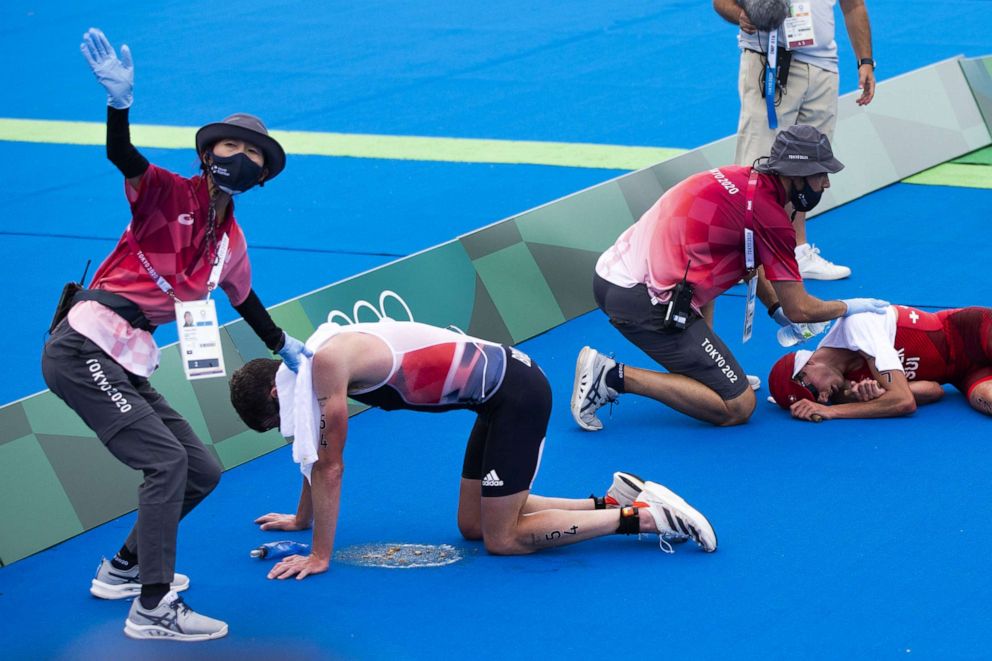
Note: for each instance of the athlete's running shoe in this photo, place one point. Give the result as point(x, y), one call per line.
point(673, 515)
point(589, 390)
point(113, 583)
point(172, 619)
point(624, 490)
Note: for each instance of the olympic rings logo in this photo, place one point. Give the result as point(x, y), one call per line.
point(380, 312)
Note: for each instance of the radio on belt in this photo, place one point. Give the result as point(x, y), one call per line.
point(680, 307)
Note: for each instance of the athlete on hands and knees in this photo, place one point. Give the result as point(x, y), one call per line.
point(686, 250)
point(409, 365)
point(101, 351)
point(880, 366)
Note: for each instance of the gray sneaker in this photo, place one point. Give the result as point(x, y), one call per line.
point(589, 390)
point(671, 514)
point(113, 583)
point(172, 619)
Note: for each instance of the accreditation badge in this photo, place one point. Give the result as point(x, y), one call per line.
point(752, 288)
point(799, 25)
point(752, 283)
point(199, 339)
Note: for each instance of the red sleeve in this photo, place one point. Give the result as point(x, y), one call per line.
point(154, 187)
point(235, 278)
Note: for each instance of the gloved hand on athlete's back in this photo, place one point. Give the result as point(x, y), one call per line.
point(292, 352)
point(856, 305)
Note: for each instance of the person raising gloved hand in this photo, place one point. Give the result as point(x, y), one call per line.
point(181, 243)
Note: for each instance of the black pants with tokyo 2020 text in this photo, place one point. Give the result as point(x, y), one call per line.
point(142, 431)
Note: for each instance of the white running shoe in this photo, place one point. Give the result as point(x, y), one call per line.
point(754, 382)
point(589, 390)
point(172, 619)
point(113, 583)
point(624, 490)
point(673, 515)
point(814, 267)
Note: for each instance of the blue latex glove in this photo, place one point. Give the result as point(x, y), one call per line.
point(116, 75)
point(292, 350)
point(856, 305)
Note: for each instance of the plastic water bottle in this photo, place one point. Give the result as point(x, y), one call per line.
point(276, 550)
point(795, 333)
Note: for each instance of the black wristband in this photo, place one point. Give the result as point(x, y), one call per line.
point(773, 309)
point(120, 151)
point(252, 310)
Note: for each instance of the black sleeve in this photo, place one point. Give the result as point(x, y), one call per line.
point(261, 322)
point(120, 151)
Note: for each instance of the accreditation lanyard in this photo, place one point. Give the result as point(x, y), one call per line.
point(749, 260)
point(162, 283)
point(199, 332)
point(771, 77)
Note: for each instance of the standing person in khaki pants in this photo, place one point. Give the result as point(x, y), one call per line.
point(807, 87)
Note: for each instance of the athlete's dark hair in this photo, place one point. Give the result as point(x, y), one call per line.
point(251, 386)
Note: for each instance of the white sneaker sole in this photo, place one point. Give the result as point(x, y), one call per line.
point(582, 364)
point(102, 590)
point(817, 275)
point(152, 632)
point(697, 518)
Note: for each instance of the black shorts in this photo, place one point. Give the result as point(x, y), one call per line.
point(695, 352)
point(504, 448)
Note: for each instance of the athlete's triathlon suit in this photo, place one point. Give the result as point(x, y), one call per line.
point(950, 346)
point(437, 370)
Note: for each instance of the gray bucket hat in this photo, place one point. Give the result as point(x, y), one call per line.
point(250, 129)
point(800, 151)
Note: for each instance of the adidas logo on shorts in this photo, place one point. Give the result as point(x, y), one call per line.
point(492, 480)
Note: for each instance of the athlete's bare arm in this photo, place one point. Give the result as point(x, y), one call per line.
point(926, 392)
point(800, 307)
point(331, 376)
point(299, 521)
point(347, 361)
point(897, 400)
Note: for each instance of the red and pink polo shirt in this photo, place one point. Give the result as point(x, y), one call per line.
point(169, 221)
point(701, 220)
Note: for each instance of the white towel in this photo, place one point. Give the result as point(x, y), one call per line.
point(299, 413)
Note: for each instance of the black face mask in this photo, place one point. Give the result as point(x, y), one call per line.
point(234, 174)
point(804, 200)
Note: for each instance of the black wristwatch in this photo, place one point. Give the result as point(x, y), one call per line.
point(866, 60)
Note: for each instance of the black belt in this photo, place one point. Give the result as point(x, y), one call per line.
point(127, 310)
